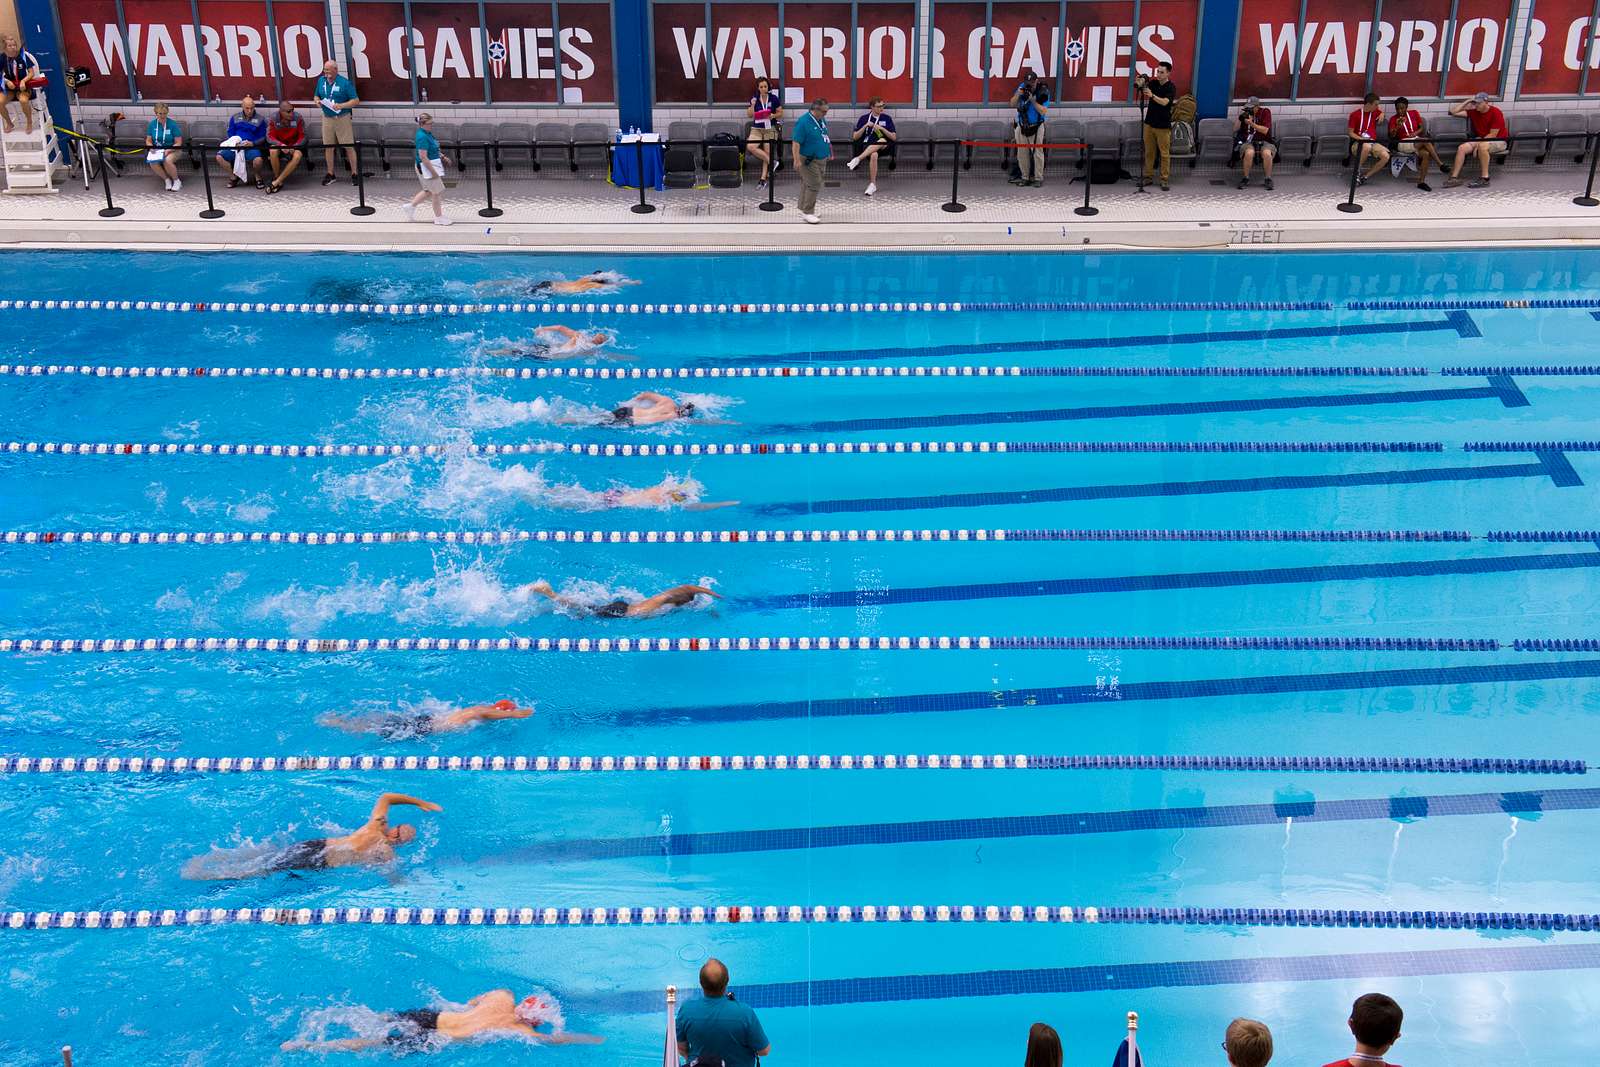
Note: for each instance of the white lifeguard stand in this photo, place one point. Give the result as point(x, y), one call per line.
point(31, 161)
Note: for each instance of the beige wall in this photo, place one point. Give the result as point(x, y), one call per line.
point(8, 16)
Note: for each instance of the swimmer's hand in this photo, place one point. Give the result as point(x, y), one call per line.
point(428, 805)
point(294, 1046)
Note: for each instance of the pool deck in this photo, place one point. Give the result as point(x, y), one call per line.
point(1527, 204)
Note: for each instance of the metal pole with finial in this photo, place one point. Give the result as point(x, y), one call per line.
point(669, 1056)
point(66, 1056)
point(1133, 1039)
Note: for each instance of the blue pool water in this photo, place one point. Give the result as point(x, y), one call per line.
point(1438, 487)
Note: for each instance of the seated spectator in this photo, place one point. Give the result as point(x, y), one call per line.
point(18, 69)
point(873, 133)
point(247, 133)
point(1365, 121)
point(1488, 139)
point(1248, 1043)
point(1044, 1046)
point(1413, 146)
point(162, 139)
point(286, 134)
point(1375, 1022)
point(717, 1027)
point(1254, 138)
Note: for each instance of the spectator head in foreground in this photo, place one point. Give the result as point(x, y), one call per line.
point(1248, 1043)
point(1375, 1023)
point(1044, 1046)
point(714, 978)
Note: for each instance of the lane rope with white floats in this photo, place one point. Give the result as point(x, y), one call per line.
point(779, 448)
point(780, 371)
point(802, 762)
point(315, 645)
point(758, 537)
point(737, 914)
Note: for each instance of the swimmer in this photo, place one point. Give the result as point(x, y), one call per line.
point(668, 493)
point(648, 409)
point(495, 1015)
point(556, 342)
point(598, 281)
point(676, 597)
point(398, 726)
point(373, 844)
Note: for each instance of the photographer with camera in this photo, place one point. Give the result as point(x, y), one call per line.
point(1156, 94)
point(1032, 101)
point(1254, 138)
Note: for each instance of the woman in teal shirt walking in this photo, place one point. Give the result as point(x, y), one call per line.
point(162, 139)
point(430, 164)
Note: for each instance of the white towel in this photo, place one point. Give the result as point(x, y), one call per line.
point(238, 144)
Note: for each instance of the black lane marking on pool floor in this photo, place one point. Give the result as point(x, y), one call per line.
point(1064, 824)
point(1552, 465)
point(1097, 978)
point(1032, 699)
point(1144, 583)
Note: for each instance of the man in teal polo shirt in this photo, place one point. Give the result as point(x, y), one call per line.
point(338, 99)
point(716, 1026)
point(812, 151)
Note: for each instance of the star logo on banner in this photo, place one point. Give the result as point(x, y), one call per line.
point(497, 51)
point(1074, 49)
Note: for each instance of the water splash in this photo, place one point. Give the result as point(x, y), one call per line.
point(1505, 856)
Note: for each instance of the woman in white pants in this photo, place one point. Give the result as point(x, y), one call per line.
point(430, 164)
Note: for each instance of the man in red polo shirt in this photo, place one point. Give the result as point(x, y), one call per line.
point(1366, 123)
point(1375, 1023)
point(286, 141)
point(1488, 133)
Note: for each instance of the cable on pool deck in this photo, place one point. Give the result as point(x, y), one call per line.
point(876, 448)
point(726, 914)
point(801, 762)
point(29, 645)
point(35, 370)
point(706, 537)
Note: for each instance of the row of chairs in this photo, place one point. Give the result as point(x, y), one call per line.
point(1535, 137)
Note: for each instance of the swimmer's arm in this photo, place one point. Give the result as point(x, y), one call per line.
point(651, 398)
point(700, 590)
point(710, 505)
point(493, 714)
point(565, 1038)
point(347, 1044)
point(380, 810)
point(348, 725)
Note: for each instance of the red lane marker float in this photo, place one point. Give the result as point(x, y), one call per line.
point(199, 372)
point(200, 307)
point(48, 538)
point(126, 450)
point(736, 914)
point(761, 449)
point(734, 536)
point(694, 644)
point(705, 763)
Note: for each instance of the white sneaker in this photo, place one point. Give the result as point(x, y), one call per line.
point(852, 164)
point(811, 219)
point(872, 187)
point(167, 182)
point(444, 220)
point(177, 183)
point(411, 212)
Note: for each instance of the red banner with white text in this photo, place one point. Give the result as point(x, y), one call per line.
point(1413, 50)
point(1561, 40)
point(520, 52)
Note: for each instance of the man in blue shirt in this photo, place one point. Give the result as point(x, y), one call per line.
point(250, 129)
point(717, 1026)
point(337, 98)
point(875, 131)
point(1031, 101)
point(812, 151)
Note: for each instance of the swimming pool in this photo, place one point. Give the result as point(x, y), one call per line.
point(1299, 506)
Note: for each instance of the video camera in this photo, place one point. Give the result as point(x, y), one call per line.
point(78, 77)
point(1039, 93)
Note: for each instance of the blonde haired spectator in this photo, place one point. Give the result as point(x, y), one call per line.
point(162, 139)
point(1248, 1043)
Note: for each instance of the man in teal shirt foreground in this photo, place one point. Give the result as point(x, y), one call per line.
point(812, 151)
point(717, 1027)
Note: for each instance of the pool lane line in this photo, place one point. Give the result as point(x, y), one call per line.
point(101, 764)
point(1318, 574)
point(1053, 825)
point(802, 915)
point(761, 537)
point(1121, 977)
point(1032, 699)
point(943, 643)
point(1552, 465)
point(1497, 304)
point(808, 370)
point(627, 308)
point(776, 448)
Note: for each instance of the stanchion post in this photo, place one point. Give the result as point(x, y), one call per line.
point(66, 1056)
point(490, 211)
point(955, 205)
point(1088, 180)
point(361, 207)
point(1350, 204)
point(1587, 199)
point(110, 211)
point(212, 211)
point(643, 207)
point(771, 202)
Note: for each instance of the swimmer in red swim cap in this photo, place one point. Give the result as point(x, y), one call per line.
point(400, 727)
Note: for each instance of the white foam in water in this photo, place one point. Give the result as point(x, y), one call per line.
point(385, 484)
point(496, 412)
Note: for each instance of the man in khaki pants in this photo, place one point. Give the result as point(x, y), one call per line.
point(812, 151)
point(1158, 93)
